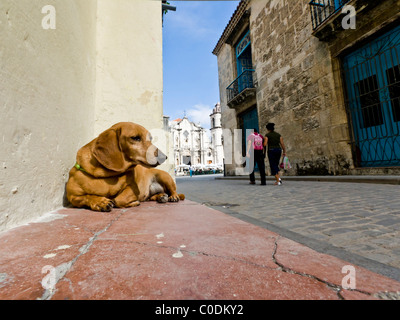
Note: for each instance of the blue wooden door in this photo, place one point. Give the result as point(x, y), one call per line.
point(244, 62)
point(372, 76)
point(250, 120)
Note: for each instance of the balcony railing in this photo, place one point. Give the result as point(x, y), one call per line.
point(242, 82)
point(322, 10)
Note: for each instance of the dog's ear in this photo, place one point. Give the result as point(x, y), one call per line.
point(107, 151)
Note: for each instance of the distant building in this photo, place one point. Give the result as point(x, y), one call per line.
point(193, 144)
point(217, 148)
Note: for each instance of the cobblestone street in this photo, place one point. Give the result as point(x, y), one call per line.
point(359, 222)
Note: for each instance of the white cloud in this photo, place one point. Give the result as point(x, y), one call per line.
point(200, 113)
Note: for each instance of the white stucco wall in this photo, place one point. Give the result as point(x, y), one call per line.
point(129, 78)
point(46, 102)
point(60, 88)
point(129, 63)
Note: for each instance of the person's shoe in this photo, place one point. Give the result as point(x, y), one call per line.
point(252, 182)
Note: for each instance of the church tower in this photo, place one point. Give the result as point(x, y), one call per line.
point(216, 135)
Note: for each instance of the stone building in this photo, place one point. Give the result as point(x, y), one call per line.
point(68, 71)
point(191, 143)
point(329, 80)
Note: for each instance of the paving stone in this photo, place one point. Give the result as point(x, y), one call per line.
point(388, 222)
point(361, 210)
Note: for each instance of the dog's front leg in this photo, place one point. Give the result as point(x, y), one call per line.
point(127, 198)
point(96, 203)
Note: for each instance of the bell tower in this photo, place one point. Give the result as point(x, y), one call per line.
point(216, 135)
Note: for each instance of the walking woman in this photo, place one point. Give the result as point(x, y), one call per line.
point(255, 153)
point(273, 141)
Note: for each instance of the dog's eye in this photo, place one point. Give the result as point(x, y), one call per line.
point(136, 138)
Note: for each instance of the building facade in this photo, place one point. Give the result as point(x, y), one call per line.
point(325, 72)
point(191, 143)
point(68, 71)
point(194, 145)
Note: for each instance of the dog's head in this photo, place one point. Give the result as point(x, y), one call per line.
point(124, 145)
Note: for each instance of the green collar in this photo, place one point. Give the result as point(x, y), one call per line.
point(77, 166)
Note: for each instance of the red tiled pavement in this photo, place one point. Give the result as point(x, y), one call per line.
point(168, 251)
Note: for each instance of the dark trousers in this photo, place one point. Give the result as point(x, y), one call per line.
point(259, 160)
point(274, 156)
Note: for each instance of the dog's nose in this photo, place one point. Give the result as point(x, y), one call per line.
point(161, 157)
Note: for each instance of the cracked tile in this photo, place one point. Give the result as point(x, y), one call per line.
point(119, 256)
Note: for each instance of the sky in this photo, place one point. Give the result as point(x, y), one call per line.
point(190, 34)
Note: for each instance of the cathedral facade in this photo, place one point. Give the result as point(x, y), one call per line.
point(194, 145)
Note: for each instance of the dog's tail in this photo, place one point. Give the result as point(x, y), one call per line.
point(181, 196)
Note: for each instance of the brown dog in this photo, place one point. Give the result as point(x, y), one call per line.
point(155, 184)
point(116, 169)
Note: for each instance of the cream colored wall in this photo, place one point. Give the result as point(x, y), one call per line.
point(129, 78)
point(60, 88)
point(129, 63)
point(46, 102)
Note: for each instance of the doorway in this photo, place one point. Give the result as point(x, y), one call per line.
point(372, 75)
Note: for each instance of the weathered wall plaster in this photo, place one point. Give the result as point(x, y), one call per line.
point(60, 87)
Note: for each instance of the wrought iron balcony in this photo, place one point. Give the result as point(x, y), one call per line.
point(240, 84)
point(322, 10)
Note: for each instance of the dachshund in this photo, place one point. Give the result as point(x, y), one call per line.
point(117, 169)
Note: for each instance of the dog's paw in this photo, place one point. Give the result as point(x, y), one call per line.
point(134, 204)
point(173, 198)
point(163, 198)
point(102, 204)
